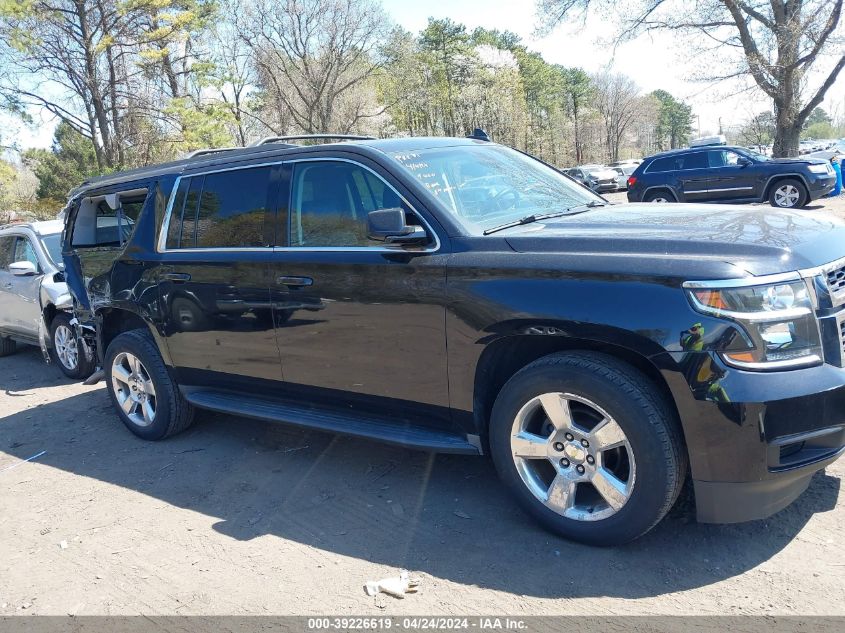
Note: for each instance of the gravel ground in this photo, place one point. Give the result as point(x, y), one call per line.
point(241, 517)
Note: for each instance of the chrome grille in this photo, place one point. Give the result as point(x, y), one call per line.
point(836, 281)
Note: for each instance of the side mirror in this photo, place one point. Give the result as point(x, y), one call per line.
point(23, 269)
point(388, 225)
point(742, 161)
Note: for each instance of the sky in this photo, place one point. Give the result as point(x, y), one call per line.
point(653, 62)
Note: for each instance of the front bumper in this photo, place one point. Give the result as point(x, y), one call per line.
point(755, 439)
point(820, 186)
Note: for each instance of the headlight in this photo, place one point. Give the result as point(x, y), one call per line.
point(778, 320)
point(820, 169)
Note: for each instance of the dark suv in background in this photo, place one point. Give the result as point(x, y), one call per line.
point(730, 174)
point(456, 295)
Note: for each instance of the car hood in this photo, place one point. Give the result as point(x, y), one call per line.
point(758, 240)
point(803, 159)
point(602, 174)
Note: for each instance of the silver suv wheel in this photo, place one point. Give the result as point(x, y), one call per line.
point(573, 456)
point(787, 196)
point(66, 347)
point(133, 389)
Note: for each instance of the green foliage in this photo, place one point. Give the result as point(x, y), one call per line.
point(201, 125)
point(674, 121)
point(818, 117)
point(69, 162)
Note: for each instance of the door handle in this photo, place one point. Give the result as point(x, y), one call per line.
point(294, 282)
point(177, 277)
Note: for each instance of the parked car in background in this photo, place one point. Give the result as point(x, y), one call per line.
point(598, 178)
point(35, 306)
point(474, 300)
point(730, 174)
point(623, 172)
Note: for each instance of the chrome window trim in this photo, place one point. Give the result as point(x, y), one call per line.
point(161, 246)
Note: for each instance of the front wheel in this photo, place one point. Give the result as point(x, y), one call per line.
point(788, 194)
point(141, 388)
point(68, 351)
point(588, 447)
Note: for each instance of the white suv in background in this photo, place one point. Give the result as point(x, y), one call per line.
point(35, 306)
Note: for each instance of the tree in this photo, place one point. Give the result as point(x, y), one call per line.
point(780, 44)
point(618, 101)
point(314, 57)
point(674, 121)
point(758, 130)
point(65, 166)
point(99, 66)
point(578, 91)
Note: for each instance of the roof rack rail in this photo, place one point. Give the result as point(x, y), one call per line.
point(210, 150)
point(308, 137)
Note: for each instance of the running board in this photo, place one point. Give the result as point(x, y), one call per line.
point(388, 430)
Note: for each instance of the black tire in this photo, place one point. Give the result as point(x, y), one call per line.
point(637, 407)
point(784, 186)
point(173, 414)
point(659, 196)
point(83, 366)
point(7, 346)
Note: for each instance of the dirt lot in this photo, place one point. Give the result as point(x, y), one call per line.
point(242, 517)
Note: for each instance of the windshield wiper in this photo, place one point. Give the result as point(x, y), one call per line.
point(528, 219)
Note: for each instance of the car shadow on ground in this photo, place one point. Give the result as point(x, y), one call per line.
point(443, 515)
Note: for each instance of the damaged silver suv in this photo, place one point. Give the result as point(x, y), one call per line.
point(35, 307)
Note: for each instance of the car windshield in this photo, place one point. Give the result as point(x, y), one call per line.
point(488, 185)
point(53, 245)
point(756, 155)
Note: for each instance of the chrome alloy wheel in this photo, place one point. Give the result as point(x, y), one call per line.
point(660, 200)
point(573, 456)
point(66, 347)
point(133, 389)
point(787, 196)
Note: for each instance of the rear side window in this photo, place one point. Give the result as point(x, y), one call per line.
point(221, 210)
point(97, 224)
point(696, 160)
point(662, 164)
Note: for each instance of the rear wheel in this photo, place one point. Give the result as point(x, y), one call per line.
point(661, 196)
point(7, 346)
point(68, 352)
point(588, 447)
point(788, 194)
point(141, 388)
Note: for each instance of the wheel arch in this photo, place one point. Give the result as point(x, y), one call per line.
point(114, 321)
point(773, 180)
point(504, 357)
point(666, 187)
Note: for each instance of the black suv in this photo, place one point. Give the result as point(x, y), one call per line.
point(730, 174)
point(456, 295)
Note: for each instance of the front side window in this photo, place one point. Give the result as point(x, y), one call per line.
point(225, 209)
point(330, 201)
point(488, 185)
point(7, 246)
point(723, 158)
point(24, 252)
